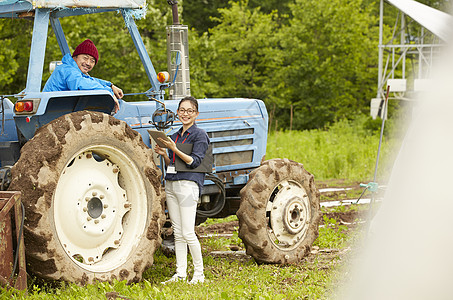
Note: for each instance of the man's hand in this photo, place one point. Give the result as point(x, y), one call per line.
point(118, 95)
point(117, 92)
point(117, 105)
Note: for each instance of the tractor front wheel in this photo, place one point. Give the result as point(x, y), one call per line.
point(279, 212)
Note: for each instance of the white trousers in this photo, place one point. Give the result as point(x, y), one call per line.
point(182, 198)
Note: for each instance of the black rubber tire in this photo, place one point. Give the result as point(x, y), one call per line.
point(37, 173)
point(255, 227)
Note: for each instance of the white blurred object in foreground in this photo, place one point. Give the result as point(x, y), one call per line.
point(409, 250)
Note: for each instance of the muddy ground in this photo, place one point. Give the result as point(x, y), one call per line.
point(345, 191)
point(326, 257)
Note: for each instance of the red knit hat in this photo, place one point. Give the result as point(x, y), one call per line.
point(87, 47)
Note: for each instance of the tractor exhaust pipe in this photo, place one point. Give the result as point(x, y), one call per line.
point(174, 9)
point(178, 56)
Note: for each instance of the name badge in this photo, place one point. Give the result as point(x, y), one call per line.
point(171, 170)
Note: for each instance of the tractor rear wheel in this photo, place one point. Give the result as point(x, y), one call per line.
point(93, 200)
point(279, 212)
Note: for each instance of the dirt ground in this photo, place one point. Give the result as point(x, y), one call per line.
point(347, 217)
point(220, 228)
point(326, 258)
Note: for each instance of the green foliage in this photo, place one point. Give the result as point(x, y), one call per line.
point(199, 14)
point(238, 57)
point(320, 61)
point(7, 65)
point(329, 66)
point(203, 15)
point(14, 53)
point(314, 58)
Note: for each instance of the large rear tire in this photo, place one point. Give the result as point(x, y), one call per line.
point(279, 212)
point(93, 200)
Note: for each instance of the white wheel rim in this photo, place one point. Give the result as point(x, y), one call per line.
point(100, 208)
point(288, 214)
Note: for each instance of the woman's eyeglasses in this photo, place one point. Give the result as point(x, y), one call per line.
point(188, 111)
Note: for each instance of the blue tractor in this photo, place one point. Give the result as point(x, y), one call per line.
point(92, 185)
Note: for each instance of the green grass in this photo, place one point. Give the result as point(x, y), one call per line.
point(210, 221)
point(223, 243)
point(347, 150)
point(227, 277)
point(332, 234)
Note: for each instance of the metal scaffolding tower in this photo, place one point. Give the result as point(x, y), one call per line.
point(405, 60)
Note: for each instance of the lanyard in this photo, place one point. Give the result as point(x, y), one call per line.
point(174, 157)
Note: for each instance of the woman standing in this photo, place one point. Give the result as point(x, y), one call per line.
point(184, 188)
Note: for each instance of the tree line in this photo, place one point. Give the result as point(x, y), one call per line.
point(311, 61)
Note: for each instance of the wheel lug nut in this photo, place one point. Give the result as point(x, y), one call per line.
point(87, 198)
point(94, 194)
point(127, 205)
point(103, 216)
point(89, 155)
point(89, 219)
point(90, 259)
point(115, 170)
point(96, 221)
point(106, 205)
point(85, 209)
point(116, 242)
point(101, 196)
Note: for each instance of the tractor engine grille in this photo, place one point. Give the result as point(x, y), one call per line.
point(233, 146)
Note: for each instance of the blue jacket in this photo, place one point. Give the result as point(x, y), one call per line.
point(68, 77)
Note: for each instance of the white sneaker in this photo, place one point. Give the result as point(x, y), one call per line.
point(197, 279)
point(174, 278)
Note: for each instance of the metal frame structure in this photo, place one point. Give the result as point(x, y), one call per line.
point(420, 47)
point(42, 16)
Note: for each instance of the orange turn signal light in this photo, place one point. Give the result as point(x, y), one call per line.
point(19, 106)
point(163, 77)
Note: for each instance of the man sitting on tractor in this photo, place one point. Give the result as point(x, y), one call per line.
point(72, 74)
